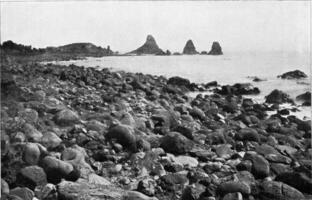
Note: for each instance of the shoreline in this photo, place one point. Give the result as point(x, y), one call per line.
point(137, 136)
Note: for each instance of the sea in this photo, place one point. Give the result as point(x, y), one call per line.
point(229, 68)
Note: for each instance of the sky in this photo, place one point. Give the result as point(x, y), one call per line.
point(124, 25)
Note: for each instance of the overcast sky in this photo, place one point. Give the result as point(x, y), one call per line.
point(124, 25)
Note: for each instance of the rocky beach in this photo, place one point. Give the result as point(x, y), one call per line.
point(75, 133)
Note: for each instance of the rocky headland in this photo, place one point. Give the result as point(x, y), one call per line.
point(85, 134)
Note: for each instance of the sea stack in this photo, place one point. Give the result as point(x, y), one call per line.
point(215, 49)
point(149, 47)
point(189, 48)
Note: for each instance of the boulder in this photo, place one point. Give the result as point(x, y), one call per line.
point(260, 166)
point(147, 187)
point(238, 89)
point(189, 48)
point(66, 117)
point(124, 135)
point(31, 153)
point(176, 143)
point(300, 181)
point(278, 97)
point(31, 177)
point(57, 169)
point(149, 47)
point(248, 134)
point(278, 191)
point(23, 192)
point(176, 80)
point(296, 74)
point(192, 192)
point(234, 186)
point(215, 49)
point(4, 187)
point(171, 182)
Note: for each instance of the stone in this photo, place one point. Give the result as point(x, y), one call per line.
point(192, 192)
point(224, 151)
point(300, 181)
point(31, 177)
point(171, 182)
point(31, 154)
point(86, 191)
point(31, 133)
point(305, 98)
point(46, 192)
point(179, 81)
point(175, 143)
point(296, 74)
point(149, 47)
point(124, 135)
point(4, 187)
point(23, 192)
point(97, 180)
point(56, 169)
point(260, 166)
point(185, 161)
point(278, 191)
point(248, 134)
point(215, 49)
point(233, 196)
point(66, 117)
point(147, 187)
point(29, 115)
point(278, 97)
point(189, 48)
point(134, 195)
point(234, 186)
point(50, 140)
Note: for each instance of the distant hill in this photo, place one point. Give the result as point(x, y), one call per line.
point(149, 47)
point(69, 51)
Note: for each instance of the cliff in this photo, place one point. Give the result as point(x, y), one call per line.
point(189, 48)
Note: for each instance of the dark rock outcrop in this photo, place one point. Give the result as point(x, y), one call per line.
point(189, 48)
point(296, 74)
point(215, 49)
point(278, 97)
point(305, 98)
point(149, 47)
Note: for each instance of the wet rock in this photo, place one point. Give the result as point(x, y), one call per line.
point(234, 186)
point(305, 98)
point(175, 143)
point(278, 191)
point(23, 192)
point(66, 117)
point(189, 48)
point(278, 97)
point(215, 49)
point(296, 74)
point(124, 135)
point(300, 181)
point(31, 177)
point(176, 80)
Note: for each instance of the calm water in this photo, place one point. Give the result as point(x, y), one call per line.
point(227, 69)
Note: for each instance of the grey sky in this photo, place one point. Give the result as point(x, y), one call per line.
point(124, 25)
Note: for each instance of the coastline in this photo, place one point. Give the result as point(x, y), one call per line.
point(145, 134)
